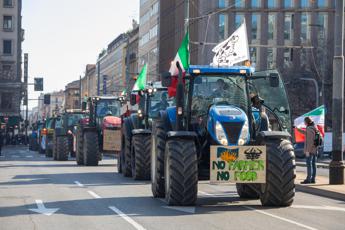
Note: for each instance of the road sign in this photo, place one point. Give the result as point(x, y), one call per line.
point(38, 84)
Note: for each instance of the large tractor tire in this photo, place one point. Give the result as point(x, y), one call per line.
point(62, 148)
point(181, 172)
point(279, 189)
point(141, 157)
point(247, 191)
point(79, 147)
point(158, 139)
point(126, 152)
point(55, 148)
point(91, 149)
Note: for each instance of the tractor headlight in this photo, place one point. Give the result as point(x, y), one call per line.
point(244, 134)
point(220, 134)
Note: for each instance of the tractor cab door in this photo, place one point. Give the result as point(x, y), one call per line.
point(269, 86)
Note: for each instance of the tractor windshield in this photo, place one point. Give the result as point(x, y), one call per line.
point(159, 101)
point(74, 118)
point(223, 90)
point(108, 107)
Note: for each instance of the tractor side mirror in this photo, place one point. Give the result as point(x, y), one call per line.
point(133, 99)
point(83, 105)
point(274, 80)
point(166, 79)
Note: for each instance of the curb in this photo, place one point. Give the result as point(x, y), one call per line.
point(320, 192)
point(318, 165)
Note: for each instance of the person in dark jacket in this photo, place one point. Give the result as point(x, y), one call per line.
point(310, 150)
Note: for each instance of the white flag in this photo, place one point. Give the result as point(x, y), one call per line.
point(233, 50)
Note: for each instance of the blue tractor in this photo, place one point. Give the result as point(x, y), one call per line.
point(229, 107)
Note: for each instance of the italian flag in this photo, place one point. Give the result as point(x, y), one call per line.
point(141, 81)
point(317, 115)
point(182, 57)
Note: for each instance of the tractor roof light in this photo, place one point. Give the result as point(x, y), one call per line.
point(196, 71)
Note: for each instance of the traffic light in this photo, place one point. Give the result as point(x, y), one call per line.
point(38, 84)
point(47, 99)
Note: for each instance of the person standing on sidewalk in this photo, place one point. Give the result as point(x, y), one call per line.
point(310, 150)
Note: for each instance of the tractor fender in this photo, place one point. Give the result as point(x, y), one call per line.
point(272, 135)
point(171, 116)
point(141, 131)
point(181, 134)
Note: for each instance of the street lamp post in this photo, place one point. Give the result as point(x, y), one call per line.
point(336, 167)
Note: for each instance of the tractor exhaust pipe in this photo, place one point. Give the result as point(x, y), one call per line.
point(179, 99)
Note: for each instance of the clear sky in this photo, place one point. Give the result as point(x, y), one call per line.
point(62, 36)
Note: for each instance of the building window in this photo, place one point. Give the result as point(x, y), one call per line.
point(288, 3)
point(153, 55)
point(238, 20)
point(270, 61)
point(322, 3)
point(142, 2)
point(304, 27)
point(145, 18)
point(271, 25)
point(239, 4)
point(271, 3)
point(144, 39)
point(6, 67)
point(8, 3)
point(6, 101)
point(7, 47)
point(153, 32)
point(255, 26)
point(8, 23)
point(255, 3)
point(304, 3)
point(222, 3)
point(287, 57)
point(221, 27)
point(287, 26)
point(154, 9)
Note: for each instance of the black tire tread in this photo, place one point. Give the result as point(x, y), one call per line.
point(141, 145)
point(79, 147)
point(61, 148)
point(91, 149)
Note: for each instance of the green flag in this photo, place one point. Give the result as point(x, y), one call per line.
point(182, 57)
point(141, 81)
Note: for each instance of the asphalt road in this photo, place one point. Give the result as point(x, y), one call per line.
point(78, 197)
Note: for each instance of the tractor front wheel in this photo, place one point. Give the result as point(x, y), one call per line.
point(79, 147)
point(126, 153)
point(279, 189)
point(181, 172)
point(62, 148)
point(90, 149)
point(141, 150)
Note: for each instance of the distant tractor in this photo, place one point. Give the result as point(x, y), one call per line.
point(229, 125)
point(100, 132)
point(47, 134)
point(136, 131)
point(64, 134)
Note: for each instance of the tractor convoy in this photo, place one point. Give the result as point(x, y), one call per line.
point(222, 124)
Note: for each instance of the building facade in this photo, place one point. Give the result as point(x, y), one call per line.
point(148, 37)
point(89, 81)
point(72, 95)
point(11, 37)
point(132, 56)
point(56, 106)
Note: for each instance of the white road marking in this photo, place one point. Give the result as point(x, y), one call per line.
point(42, 209)
point(78, 183)
point(280, 218)
point(127, 218)
point(225, 194)
point(94, 194)
point(327, 208)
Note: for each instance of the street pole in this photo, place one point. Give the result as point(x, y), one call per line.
point(79, 91)
point(336, 167)
point(26, 73)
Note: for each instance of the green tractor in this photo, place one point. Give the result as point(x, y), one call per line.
point(64, 134)
point(100, 131)
point(232, 127)
point(136, 131)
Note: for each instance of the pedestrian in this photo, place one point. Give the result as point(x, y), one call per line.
point(1, 140)
point(310, 149)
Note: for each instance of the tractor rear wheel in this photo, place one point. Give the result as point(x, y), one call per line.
point(61, 148)
point(126, 153)
point(181, 172)
point(90, 149)
point(141, 150)
point(279, 189)
point(158, 139)
point(79, 147)
point(247, 191)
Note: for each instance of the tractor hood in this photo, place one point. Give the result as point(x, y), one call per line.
point(228, 125)
point(111, 122)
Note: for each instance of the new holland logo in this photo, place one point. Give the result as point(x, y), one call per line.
point(253, 153)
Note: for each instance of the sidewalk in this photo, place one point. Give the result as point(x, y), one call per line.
point(321, 188)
